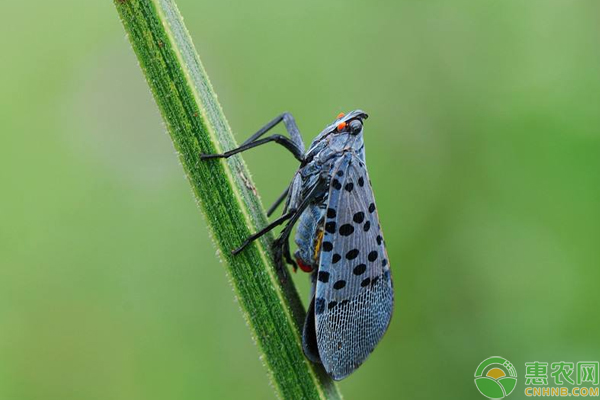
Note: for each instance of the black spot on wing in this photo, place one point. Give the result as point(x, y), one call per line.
point(330, 226)
point(346, 230)
point(359, 269)
point(372, 255)
point(339, 284)
point(352, 254)
point(323, 276)
point(359, 217)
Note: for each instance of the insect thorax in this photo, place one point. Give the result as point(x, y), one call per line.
point(323, 154)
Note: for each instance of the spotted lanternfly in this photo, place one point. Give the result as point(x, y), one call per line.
point(339, 241)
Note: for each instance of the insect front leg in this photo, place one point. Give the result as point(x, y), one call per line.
point(294, 144)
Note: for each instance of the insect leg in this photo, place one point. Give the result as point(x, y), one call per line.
point(277, 202)
point(263, 231)
point(290, 126)
point(295, 144)
point(282, 140)
point(281, 245)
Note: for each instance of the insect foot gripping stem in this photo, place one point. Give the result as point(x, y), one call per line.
point(280, 250)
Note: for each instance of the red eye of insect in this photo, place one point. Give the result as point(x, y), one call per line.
point(341, 126)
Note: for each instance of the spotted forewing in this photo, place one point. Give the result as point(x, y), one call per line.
point(353, 298)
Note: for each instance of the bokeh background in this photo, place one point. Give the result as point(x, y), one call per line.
point(483, 147)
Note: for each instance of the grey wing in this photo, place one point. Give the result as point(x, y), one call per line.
point(354, 294)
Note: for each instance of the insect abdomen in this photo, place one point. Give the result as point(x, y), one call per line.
point(307, 235)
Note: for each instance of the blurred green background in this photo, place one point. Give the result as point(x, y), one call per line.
point(483, 146)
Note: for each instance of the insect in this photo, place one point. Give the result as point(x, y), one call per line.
point(339, 241)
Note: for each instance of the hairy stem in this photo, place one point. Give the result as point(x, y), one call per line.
point(224, 191)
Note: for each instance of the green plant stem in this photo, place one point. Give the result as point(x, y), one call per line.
point(224, 191)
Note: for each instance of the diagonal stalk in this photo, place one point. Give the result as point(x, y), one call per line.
point(224, 191)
